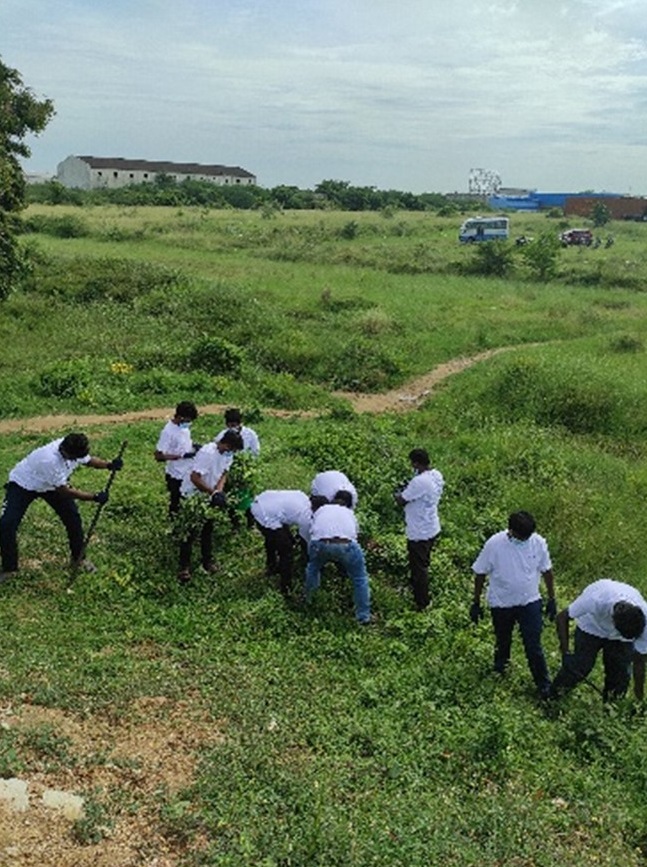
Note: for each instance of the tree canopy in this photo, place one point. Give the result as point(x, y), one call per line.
point(20, 113)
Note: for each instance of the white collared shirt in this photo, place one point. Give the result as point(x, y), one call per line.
point(327, 484)
point(593, 610)
point(514, 569)
point(45, 469)
point(275, 509)
point(175, 440)
point(210, 464)
point(421, 497)
point(333, 521)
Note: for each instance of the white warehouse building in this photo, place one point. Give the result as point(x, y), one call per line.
point(89, 173)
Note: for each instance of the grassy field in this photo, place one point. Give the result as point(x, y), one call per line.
point(308, 740)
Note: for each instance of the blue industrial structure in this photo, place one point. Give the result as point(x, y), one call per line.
point(536, 201)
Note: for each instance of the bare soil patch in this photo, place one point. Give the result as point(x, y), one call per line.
point(129, 764)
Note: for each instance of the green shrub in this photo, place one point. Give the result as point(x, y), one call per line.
point(68, 226)
point(626, 343)
point(216, 355)
point(492, 259)
point(64, 379)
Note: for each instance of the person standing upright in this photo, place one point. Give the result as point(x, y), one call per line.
point(515, 560)
point(420, 499)
point(176, 448)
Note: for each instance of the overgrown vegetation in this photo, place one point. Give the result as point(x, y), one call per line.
point(392, 745)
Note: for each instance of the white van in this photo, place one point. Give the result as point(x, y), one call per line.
point(484, 229)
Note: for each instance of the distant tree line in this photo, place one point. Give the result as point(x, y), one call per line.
point(329, 194)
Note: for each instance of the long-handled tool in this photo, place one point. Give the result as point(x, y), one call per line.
point(97, 512)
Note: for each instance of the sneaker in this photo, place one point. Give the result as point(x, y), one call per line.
point(184, 576)
point(6, 576)
point(211, 568)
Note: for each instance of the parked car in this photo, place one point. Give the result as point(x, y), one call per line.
point(576, 238)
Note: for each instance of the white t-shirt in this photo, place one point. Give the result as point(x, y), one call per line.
point(593, 610)
point(175, 440)
point(514, 569)
point(274, 509)
point(251, 443)
point(210, 464)
point(327, 484)
point(333, 521)
point(45, 469)
point(422, 496)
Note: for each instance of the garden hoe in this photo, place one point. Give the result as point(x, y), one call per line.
point(97, 514)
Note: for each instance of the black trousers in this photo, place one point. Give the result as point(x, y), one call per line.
point(616, 659)
point(206, 539)
point(173, 487)
point(279, 554)
point(419, 552)
point(16, 502)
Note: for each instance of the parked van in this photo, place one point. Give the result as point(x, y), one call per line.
point(484, 229)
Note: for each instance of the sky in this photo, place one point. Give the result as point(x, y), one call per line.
point(396, 94)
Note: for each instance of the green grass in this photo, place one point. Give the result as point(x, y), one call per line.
point(387, 746)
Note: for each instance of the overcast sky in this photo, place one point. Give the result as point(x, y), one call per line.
point(397, 94)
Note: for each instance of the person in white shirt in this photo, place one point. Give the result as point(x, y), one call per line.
point(611, 617)
point(275, 513)
point(206, 476)
point(251, 445)
point(327, 484)
point(420, 499)
point(176, 449)
point(234, 421)
point(333, 538)
point(515, 560)
point(45, 474)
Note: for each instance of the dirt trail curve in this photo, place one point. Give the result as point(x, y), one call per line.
point(402, 399)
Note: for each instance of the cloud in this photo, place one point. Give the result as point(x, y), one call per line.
point(412, 93)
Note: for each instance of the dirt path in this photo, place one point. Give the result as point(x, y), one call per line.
point(401, 399)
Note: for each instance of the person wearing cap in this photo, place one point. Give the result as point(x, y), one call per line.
point(206, 476)
point(514, 561)
point(329, 482)
point(44, 474)
point(176, 449)
point(611, 619)
point(420, 498)
point(275, 513)
point(333, 538)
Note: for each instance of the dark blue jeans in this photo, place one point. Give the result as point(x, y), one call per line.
point(16, 502)
point(616, 658)
point(530, 625)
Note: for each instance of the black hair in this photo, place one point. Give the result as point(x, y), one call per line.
point(419, 456)
point(343, 498)
point(186, 409)
point(232, 438)
point(233, 416)
point(522, 525)
point(317, 501)
point(628, 619)
point(75, 446)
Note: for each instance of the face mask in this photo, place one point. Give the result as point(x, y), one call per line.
point(516, 541)
point(184, 425)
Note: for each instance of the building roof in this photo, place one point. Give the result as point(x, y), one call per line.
point(162, 166)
